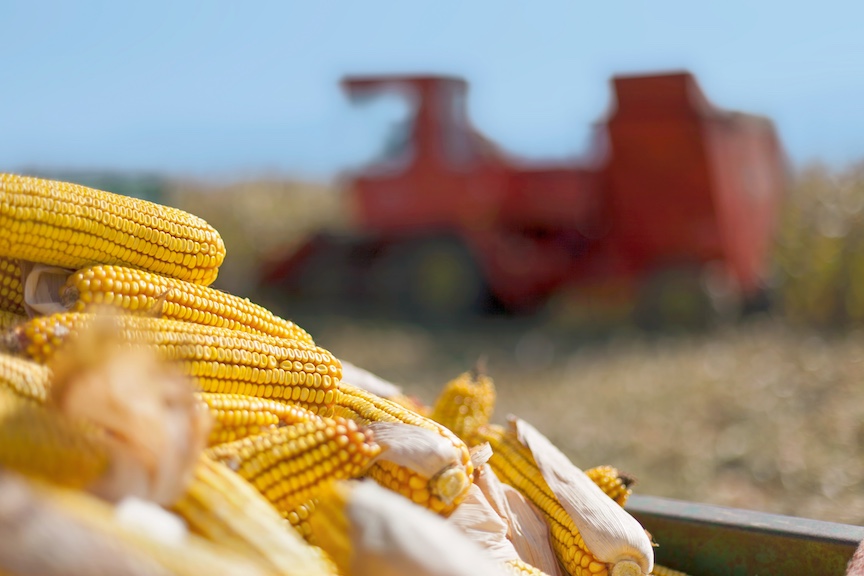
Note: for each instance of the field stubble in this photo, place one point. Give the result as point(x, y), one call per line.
point(761, 415)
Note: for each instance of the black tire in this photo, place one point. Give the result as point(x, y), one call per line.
point(434, 281)
point(680, 299)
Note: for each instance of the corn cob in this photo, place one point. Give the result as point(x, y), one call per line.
point(221, 360)
point(440, 493)
point(298, 518)
point(236, 416)
point(614, 484)
point(72, 226)
point(513, 464)
point(227, 510)
point(465, 404)
point(11, 289)
point(10, 319)
point(40, 443)
point(144, 292)
point(24, 377)
point(289, 465)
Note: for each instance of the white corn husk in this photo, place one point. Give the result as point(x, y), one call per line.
point(527, 529)
point(479, 521)
point(480, 455)
point(42, 285)
point(152, 520)
point(424, 451)
point(391, 536)
point(368, 381)
point(611, 534)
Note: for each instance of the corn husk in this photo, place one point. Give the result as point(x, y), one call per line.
point(389, 535)
point(46, 531)
point(526, 529)
point(425, 452)
point(356, 376)
point(146, 406)
point(42, 286)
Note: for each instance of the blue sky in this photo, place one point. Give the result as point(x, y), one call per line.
point(237, 88)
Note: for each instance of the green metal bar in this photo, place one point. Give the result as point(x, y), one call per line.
point(706, 540)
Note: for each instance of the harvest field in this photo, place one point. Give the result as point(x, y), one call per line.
point(767, 414)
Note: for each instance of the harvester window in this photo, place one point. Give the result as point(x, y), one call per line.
point(455, 132)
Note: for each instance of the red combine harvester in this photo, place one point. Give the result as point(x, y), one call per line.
point(672, 215)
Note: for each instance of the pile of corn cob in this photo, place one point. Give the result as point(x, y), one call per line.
point(150, 424)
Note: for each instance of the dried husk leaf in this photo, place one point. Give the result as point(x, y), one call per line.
point(424, 451)
point(391, 536)
point(145, 404)
point(356, 376)
point(479, 521)
point(42, 287)
point(527, 529)
point(480, 455)
point(609, 532)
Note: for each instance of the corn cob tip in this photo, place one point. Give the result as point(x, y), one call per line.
point(451, 484)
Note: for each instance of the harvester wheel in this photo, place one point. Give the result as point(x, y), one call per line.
point(688, 298)
point(435, 281)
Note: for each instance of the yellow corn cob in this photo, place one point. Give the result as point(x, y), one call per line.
point(24, 377)
point(298, 518)
point(71, 226)
point(227, 510)
point(289, 465)
point(465, 404)
point(10, 319)
point(221, 360)
point(614, 484)
point(11, 289)
point(520, 568)
point(330, 527)
point(140, 291)
point(440, 494)
point(236, 416)
point(41, 443)
point(514, 465)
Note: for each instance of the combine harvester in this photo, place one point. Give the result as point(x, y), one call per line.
point(669, 219)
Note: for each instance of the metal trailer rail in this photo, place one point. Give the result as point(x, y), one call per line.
point(706, 540)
